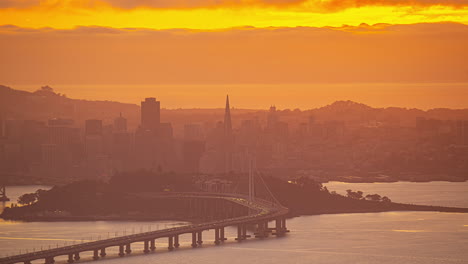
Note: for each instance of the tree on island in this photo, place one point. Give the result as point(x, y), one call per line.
point(385, 199)
point(373, 197)
point(27, 199)
point(355, 195)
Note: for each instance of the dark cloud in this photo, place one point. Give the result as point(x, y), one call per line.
point(18, 3)
point(344, 4)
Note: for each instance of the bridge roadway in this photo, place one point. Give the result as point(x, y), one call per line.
point(261, 212)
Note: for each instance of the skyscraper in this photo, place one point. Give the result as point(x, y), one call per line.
point(272, 119)
point(120, 124)
point(150, 114)
point(93, 127)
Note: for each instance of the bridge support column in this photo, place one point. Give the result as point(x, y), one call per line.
point(146, 250)
point(217, 241)
point(200, 239)
point(194, 240)
point(153, 245)
point(281, 227)
point(103, 252)
point(244, 232)
point(27, 262)
point(70, 259)
point(221, 234)
point(176, 241)
point(96, 254)
point(284, 225)
point(239, 233)
point(50, 260)
point(262, 230)
point(77, 256)
point(171, 243)
point(128, 248)
point(121, 251)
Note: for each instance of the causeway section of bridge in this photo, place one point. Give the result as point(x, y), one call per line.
point(237, 210)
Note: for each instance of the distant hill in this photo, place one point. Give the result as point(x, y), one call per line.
point(45, 103)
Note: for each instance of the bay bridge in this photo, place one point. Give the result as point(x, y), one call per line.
point(255, 209)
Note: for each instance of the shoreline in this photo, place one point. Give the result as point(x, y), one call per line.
point(22, 184)
point(431, 181)
point(396, 207)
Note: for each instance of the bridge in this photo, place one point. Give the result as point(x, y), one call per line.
point(238, 210)
point(3, 196)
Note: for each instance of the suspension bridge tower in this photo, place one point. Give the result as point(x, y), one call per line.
point(3, 197)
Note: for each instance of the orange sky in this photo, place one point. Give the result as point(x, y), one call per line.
point(135, 42)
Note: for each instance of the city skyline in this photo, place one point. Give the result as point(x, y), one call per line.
point(221, 141)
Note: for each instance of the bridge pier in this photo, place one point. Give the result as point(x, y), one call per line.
point(96, 254)
point(262, 230)
point(103, 252)
point(146, 247)
point(194, 239)
point(153, 244)
point(50, 260)
point(176, 241)
point(70, 259)
point(128, 248)
point(217, 241)
point(280, 227)
point(221, 234)
point(171, 243)
point(242, 232)
point(121, 251)
point(77, 256)
point(27, 262)
point(239, 233)
point(200, 240)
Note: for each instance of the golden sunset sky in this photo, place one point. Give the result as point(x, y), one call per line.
point(216, 14)
point(230, 43)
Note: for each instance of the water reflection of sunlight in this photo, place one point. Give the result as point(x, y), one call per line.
point(410, 231)
point(36, 238)
point(3, 222)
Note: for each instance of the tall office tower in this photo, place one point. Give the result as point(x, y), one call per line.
point(93, 127)
point(120, 124)
point(93, 139)
point(272, 119)
point(150, 114)
point(193, 132)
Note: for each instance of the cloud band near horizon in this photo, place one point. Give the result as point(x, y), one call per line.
point(93, 55)
point(330, 5)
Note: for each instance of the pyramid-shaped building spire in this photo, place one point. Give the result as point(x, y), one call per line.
point(227, 118)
